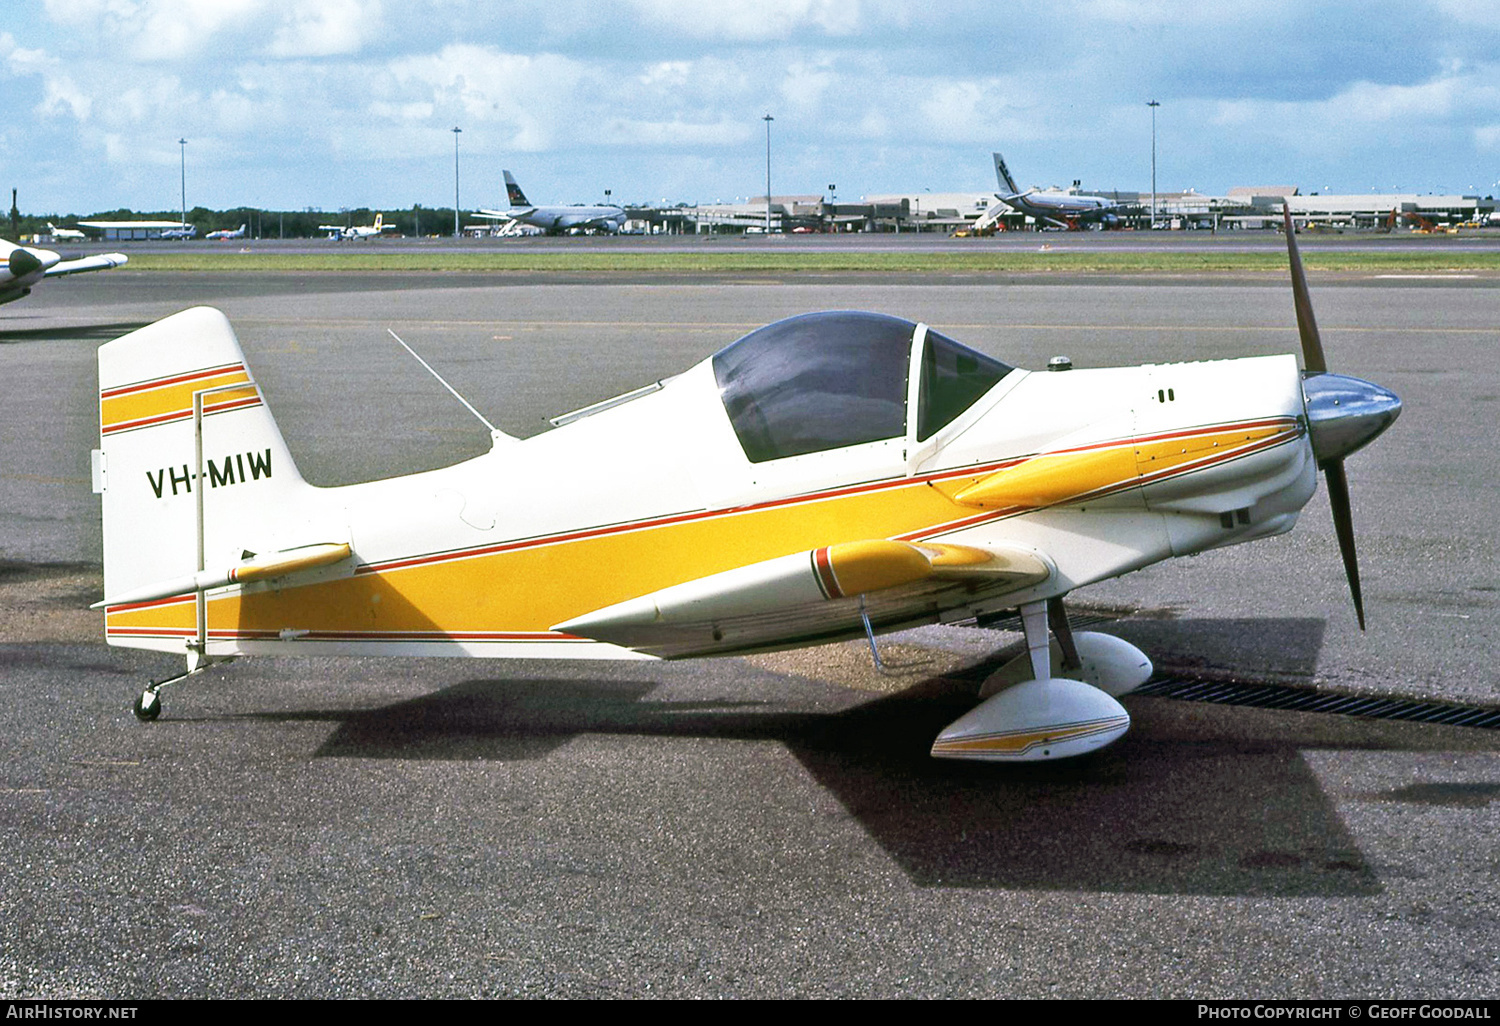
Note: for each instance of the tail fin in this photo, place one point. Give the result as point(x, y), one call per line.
point(170, 510)
point(379, 221)
point(513, 192)
point(1002, 175)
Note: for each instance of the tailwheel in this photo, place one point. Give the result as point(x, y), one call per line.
point(148, 706)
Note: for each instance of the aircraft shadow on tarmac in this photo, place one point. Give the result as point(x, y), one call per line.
point(72, 332)
point(1197, 799)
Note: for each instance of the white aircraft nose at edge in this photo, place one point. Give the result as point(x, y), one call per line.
point(21, 267)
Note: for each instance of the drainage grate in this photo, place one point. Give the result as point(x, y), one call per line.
point(1262, 696)
point(1280, 696)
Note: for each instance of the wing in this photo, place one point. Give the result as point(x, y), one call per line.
point(100, 262)
point(811, 596)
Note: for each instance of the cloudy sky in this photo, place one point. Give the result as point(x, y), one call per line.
point(345, 103)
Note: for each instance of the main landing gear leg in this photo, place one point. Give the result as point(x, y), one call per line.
point(1041, 716)
point(1057, 619)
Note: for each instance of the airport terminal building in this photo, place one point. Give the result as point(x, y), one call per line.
point(1249, 207)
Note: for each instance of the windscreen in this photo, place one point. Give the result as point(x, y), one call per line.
point(953, 378)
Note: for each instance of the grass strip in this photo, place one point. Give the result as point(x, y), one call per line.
point(729, 262)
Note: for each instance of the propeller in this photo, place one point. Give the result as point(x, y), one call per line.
point(1343, 415)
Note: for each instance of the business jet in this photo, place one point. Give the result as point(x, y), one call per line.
point(65, 234)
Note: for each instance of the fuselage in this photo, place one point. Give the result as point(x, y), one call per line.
point(562, 219)
point(1061, 206)
point(485, 557)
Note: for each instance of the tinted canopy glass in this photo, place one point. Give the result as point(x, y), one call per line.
point(816, 382)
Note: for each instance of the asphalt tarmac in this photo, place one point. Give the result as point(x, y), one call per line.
point(766, 827)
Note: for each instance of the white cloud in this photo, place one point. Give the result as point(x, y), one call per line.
point(1487, 137)
point(328, 28)
point(666, 73)
point(1457, 93)
point(805, 83)
point(161, 30)
point(60, 94)
point(63, 95)
point(747, 20)
point(420, 111)
point(172, 30)
point(675, 133)
point(535, 97)
point(340, 91)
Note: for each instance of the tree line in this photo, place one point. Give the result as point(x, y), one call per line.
point(262, 224)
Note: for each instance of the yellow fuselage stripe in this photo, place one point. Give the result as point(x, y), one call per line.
point(524, 588)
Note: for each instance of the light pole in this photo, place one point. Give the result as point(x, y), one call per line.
point(768, 119)
point(456, 130)
point(182, 146)
point(1153, 105)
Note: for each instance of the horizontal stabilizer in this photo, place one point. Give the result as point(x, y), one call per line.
point(820, 593)
point(259, 568)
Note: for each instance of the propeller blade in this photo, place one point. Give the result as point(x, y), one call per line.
point(1343, 526)
point(1307, 326)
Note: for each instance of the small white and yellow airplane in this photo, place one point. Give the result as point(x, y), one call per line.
point(825, 477)
point(339, 232)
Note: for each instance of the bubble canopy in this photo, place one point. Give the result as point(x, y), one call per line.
point(828, 380)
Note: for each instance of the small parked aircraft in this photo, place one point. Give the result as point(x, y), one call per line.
point(65, 234)
point(21, 267)
point(225, 233)
point(829, 476)
point(338, 232)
